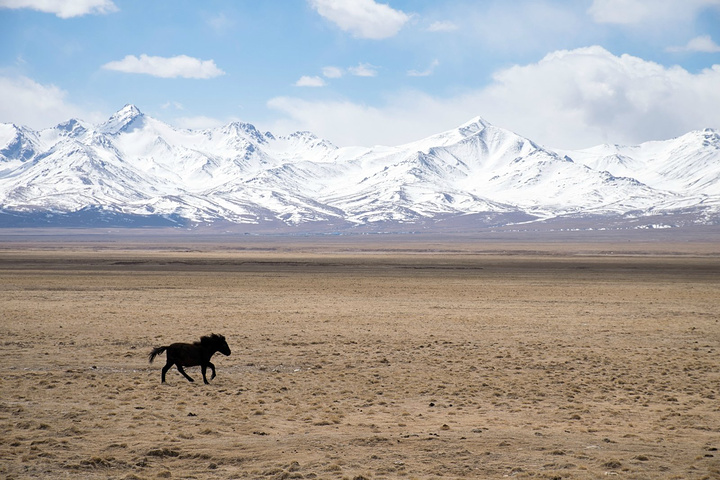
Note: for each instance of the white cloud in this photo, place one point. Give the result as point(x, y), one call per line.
point(587, 96)
point(703, 43)
point(347, 123)
point(425, 73)
point(569, 99)
point(64, 8)
point(199, 122)
point(173, 105)
point(172, 67)
point(442, 26)
point(363, 70)
point(633, 12)
point(23, 101)
point(307, 81)
point(360, 70)
point(332, 72)
point(362, 18)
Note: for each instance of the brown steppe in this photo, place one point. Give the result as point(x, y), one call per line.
point(372, 361)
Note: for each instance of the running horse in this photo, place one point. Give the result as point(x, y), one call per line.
point(192, 354)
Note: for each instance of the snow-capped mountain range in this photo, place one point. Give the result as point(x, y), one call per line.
point(136, 170)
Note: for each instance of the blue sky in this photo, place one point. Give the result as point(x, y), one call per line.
point(567, 74)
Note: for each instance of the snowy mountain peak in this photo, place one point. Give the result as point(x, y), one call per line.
point(8, 133)
point(17, 143)
point(310, 139)
point(123, 120)
point(129, 110)
point(473, 126)
point(303, 134)
point(246, 130)
point(136, 168)
point(72, 128)
point(710, 137)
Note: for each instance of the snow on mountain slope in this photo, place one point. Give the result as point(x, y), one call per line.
point(17, 145)
point(122, 121)
point(689, 164)
point(482, 168)
point(300, 146)
point(139, 166)
point(70, 176)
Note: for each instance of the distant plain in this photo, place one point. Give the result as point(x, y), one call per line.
point(557, 356)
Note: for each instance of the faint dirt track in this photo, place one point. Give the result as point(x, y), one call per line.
point(403, 362)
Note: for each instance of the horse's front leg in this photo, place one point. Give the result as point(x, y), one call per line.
point(212, 367)
point(203, 368)
point(181, 370)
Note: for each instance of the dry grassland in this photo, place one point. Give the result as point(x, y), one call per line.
point(412, 363)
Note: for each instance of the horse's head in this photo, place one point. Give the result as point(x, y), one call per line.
point(219, 344)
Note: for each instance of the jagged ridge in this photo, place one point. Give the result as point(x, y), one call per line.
point(136, 166)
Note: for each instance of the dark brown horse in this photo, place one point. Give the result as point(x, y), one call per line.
point(192, 354)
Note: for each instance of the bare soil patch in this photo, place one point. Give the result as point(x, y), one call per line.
point(429, 361)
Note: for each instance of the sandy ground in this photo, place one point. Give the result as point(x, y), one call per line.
point(415, 363)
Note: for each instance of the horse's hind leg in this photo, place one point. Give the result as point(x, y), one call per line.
point(165, 369)
point(180, 369)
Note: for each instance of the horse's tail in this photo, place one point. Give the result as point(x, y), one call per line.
point(156, 351)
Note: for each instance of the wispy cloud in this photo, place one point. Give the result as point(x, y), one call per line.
point(308, 81)
point(26, 102)
point(425, 73)
point(173, 105)
point(170, 67)
point(64, 8)
point(634, 12)
point(220, 22)
point(703, 44)
point(363, 70)
point(443, 26)
point(333, 72)
point(362, 18)
point(199, 122)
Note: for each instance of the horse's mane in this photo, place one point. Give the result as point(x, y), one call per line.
point(212, 338)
